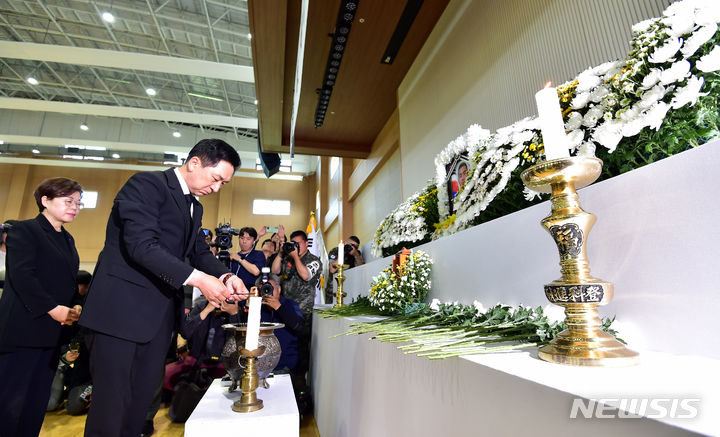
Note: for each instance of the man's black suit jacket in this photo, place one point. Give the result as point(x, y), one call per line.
point(41, 274)
point(142, 266)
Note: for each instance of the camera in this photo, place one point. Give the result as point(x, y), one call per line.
point(223, 241)
point(290, 246)
point(4, 227)
point(266, 289)
point(348, 248)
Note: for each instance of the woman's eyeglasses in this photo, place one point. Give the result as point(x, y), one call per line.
point(70, 202)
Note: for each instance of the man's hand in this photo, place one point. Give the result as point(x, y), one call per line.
point(272, 301)
point(71, 356)
point(230, 308)
point(261, 232)
point(211, 287)
point(281, 232)
point(236, 288)
point(235, 257)
point(64, 315)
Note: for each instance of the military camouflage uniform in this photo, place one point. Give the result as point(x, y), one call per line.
point(295, 288)
point(302, 292)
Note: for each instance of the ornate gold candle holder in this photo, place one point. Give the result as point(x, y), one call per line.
point(249, 401)
point(584, 343)
point(340, 278)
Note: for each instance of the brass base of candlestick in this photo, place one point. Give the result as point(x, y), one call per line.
point(340, 278)
point(584, 343)
point(249, 401)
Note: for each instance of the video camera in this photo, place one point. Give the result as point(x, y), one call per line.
point(266, 289)
point(223, 241)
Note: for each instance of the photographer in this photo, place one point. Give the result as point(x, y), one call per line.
point(247, 263)
point(277, 308)
point(300, 272)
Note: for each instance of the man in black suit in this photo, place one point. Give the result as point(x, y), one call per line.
point(135, 298)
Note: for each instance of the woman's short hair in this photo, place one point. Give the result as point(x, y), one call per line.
point(55, 187)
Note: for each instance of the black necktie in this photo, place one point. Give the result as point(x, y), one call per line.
point(189, 198)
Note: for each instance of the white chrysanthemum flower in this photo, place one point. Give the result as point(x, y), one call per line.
point(699, 37)
point(643, 25)
point(676, 73)
point(652, 78)
point(575, 138)
point(502, 135)
point(586, 149)
point(689, 93)
point(633, 127)
point(479, 307)
point(709, 62)
point(580, 101)
point(587, 80)
point(681, 22)
point(530, 194)
point(604, 68)
point(554, 313)
point(651, 96)
point(599, 93)
point(707, 12)
point(656, 115)
point(666, 52)
point(608, 134)
point(592, 116)
point(475, 133)
point(521, 137)
point(574, 121)
point(628, 114)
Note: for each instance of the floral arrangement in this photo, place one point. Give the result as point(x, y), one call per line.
point(444, 330)
point(411, 223)
point(470, 142)
point(661, 100)
point(392, 293)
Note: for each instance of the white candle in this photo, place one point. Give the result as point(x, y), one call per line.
point(253, 324)
point(341, 253)
point(551, 123)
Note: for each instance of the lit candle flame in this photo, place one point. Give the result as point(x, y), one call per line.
point(548, 84)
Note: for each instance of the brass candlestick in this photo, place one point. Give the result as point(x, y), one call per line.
point(584, 343)
point(248, 400)
point(340, 278)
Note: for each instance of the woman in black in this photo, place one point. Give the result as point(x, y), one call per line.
point(40, 282)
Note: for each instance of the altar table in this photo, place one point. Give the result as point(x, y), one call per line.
point(214, 415)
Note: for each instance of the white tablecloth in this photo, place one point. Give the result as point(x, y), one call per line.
point(278, 417)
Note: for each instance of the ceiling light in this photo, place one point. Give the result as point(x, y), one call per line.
point(94, 158)
point(249, 35)
point(2, 141)
point(35, 151)
point(84, 126)
point(255, 101)
point(206, 97)
point(116, 156)
point(176, 133)
point(151, 91)
point(108, 16)
point(72, 157)
point(32, 81)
